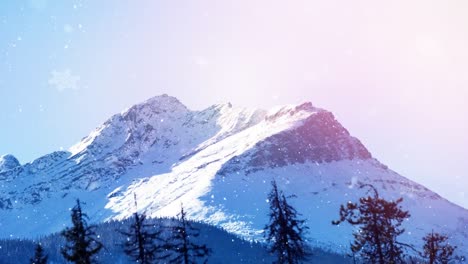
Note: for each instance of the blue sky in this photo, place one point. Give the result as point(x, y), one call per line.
point(393, 73)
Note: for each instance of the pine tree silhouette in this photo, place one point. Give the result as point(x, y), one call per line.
point(39, 257)
point(142, 239)
point(82, 244)
point(437, 250)
point(379, 225)
point(285, 231)
point(180, 245)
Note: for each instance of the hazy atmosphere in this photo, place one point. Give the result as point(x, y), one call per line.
point(394, 73)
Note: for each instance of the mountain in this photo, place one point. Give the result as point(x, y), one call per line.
point(225, 248)
point(219, 163)
point(8, 162)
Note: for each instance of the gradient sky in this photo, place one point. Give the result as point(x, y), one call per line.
point(395, 73)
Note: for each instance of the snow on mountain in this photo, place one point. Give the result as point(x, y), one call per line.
point(219, 163)
point(226, 248)
point(8, 162)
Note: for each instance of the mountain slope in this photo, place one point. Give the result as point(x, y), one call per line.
point(219, 163)
point(225, 248)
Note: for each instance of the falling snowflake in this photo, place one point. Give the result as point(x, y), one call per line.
point(63, 80)
point(68, 28)
point(354, 182)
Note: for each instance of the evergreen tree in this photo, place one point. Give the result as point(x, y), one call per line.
point(81, 239)
point(437, 250)
point(285, 231)
point(180, 246)
point(39, 257)
point(142, 238)
point(379, 225)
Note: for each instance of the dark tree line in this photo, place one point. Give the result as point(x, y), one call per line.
point(437, 250)
point(82, 243)
point(145, 244)
point(39, 256)
point(378, 225)
point(285, 231)
point(148, 244)
point(180, 245)
point(143, 240)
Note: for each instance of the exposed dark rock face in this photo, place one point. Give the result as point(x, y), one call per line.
point(319, 139)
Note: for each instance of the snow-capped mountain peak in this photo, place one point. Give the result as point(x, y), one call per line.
point(158, 104)
point(218, 162)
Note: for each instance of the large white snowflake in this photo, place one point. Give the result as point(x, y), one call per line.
point(63, 80)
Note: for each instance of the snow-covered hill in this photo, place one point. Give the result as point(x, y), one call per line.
point(225, 248)
point(219, 163)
